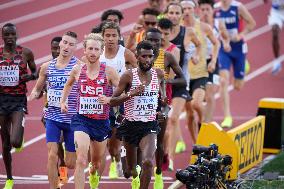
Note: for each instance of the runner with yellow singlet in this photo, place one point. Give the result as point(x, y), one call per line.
point(198, 72)
point(165, 61)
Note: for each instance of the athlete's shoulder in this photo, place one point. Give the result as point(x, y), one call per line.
point(236, 3)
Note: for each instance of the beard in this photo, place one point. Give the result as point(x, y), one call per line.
point(144, 69)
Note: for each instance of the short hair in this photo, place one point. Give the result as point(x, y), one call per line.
point(98, 28)
point(95, 37)
point(165, 23)
point(144, 45)
point(175, 4)
point(154, 30)
point(210, 2)
point(111, 12)
point(150, 11)
point(110, 25)
point(8, 25)
point(71, 34)
point(56, 39)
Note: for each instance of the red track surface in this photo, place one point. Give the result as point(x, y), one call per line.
point(32, 161)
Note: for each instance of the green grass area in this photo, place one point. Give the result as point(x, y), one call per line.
point(263, 184)
point(276, 165)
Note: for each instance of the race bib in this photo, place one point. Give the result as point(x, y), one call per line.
point(54, 97)
point(216, 79)
point(90, 105)
point(145, 106)
point(9, 77)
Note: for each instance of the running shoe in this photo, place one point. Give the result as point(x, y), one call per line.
point(135, 184)
point(276, 67)
point(159, 183)
point(94, 180)
point(180, 147)
point(21, 147)
point(171, 165)
point(9, 184)
point(113, 170)
point(247, 67)
point(227, 122)
point(63, 174)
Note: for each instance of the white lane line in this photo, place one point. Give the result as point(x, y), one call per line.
point(13, 3)
point(76, 22)
point(46, 11)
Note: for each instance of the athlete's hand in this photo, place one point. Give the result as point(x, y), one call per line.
point(33, 95)
point(28, 77)
point(137, 28)
point(164, 100)
point(227, 47)
point(103, 99)
point(211, 66)
point(237, 37)
point(64, 107)
point(140, 89)
point(194, 59)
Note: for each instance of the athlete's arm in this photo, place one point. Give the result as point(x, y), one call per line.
point(29, 57)
point(250, 22)
point(74, 75)
point(131, 40)
point(124, 84)
point(112, 76)
point(216, 45)
point(173, 64)
point(190, 36)
point(225, 38)
point(40, 82)
point(130, 59)
point(160, 74)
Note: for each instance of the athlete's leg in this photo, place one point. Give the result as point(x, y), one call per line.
point(17, 129)
point(52, 148)
point(224, 94)
point(173, 122)
point(160, 143)
point(5, 124)
point(191, 121)
point(148, 152)
point(275, 40)
point(211, 90)
point(82, 144)
point(97, 153)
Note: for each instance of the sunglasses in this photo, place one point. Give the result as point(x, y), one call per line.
point(150, 23)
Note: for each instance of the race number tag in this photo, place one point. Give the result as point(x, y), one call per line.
point(9, 76)
point(90, 105)
point(53, 97)
point(145, 106)
point(216, 79)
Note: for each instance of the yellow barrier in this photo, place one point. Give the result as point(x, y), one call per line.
point(244, 143)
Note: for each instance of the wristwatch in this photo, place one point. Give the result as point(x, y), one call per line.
point(128, 94)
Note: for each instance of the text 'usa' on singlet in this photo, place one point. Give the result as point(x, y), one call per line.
point(56, 79)
point(11, 71)
point(143, 107)
point(89, 91)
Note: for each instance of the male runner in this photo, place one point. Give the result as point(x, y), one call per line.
point(233, 14)
point(91, 124)
point(121, 59)
point(139, 90)
point(55, 74)
point(14, 63)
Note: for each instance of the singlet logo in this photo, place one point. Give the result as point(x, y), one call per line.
point(85, 89)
